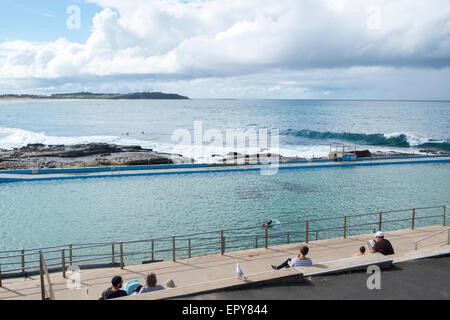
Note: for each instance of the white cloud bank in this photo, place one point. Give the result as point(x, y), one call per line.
point(141, 44)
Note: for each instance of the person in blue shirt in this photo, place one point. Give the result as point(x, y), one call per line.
point(151, 284)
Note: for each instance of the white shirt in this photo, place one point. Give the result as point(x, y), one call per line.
point(301, 263)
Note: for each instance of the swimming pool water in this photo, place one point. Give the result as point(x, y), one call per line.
point(35, 214)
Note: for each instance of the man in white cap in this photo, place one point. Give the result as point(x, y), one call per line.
point(382, 245)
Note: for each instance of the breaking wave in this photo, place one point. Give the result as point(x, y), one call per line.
point(375, 139)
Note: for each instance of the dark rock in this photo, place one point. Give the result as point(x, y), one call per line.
point(34, 146)
point(82, 155)
point(143, 162)
point(363, 153)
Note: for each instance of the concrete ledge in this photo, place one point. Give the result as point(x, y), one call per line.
point(423, 254)
point(291, 275)
point(286, 275)
point(350, 264)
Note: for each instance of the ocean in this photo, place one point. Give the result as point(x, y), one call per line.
point(111, 209)
point(306, 127)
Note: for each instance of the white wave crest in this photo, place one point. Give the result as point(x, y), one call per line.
point(15, 138)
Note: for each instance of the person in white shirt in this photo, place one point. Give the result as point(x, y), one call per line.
point(299, 261)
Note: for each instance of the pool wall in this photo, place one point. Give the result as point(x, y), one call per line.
point(332, 164)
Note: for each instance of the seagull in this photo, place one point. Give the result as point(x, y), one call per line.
point(240, 273)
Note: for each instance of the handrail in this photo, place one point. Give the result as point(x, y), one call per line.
point(102, 244)
point(432, 235)
point(205, 241)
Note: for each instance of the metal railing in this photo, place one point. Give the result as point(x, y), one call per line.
point(416, 243)
point(26, 261)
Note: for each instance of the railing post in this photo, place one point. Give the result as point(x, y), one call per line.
point(63, 262)
point(121, 255)
point(222, 243)
point(317, 235)
point(256, 242)
point(266, 237)
point(189, 247)
point(413, 218)
point(113, 259)
point(445, 214)
point(380, 221)
point(41, 275)
point(0, 275)
point(287, 238)
point(23, 260)
point(173, 249)
point(70, 254)
point(345, 227)
point(153, 249)
point(307, 231)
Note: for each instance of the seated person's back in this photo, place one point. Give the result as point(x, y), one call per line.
point(300, 261)
point(383, 246)
point(297, 262)
point(145, 289)
point(110, 293)
point(114, 291)
point(150, 284)
point(361, 252)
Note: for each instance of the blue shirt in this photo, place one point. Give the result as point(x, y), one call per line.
point(145, 289)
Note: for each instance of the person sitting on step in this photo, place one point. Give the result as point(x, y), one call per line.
point(299, 261)
point(361, 252)
point(150, 284)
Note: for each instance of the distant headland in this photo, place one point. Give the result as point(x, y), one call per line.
point(90, 95)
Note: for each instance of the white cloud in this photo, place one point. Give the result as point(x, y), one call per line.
point(233, 38)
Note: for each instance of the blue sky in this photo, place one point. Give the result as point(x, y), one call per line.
point(344, 49)
point(43, 20)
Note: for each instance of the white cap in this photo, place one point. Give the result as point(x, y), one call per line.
point(379, 234)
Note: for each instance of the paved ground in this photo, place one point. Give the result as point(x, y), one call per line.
point(207, 269)
point(419, 279)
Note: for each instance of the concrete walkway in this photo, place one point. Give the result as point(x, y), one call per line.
point(207, 269)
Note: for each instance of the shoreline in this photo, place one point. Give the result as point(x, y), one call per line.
point(96, 96)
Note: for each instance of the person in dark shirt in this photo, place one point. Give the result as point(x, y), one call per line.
point(115, 291)
point(382, 245)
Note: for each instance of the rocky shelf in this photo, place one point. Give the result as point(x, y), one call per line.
point(40, 156)
point(35, 156)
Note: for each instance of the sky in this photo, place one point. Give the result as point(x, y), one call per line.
point(294, 49)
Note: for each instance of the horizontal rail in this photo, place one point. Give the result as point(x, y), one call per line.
point(432, 235)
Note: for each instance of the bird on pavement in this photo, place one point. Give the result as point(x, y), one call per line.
point(240, 273)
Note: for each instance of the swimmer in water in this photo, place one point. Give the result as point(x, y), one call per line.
point(267, 224)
